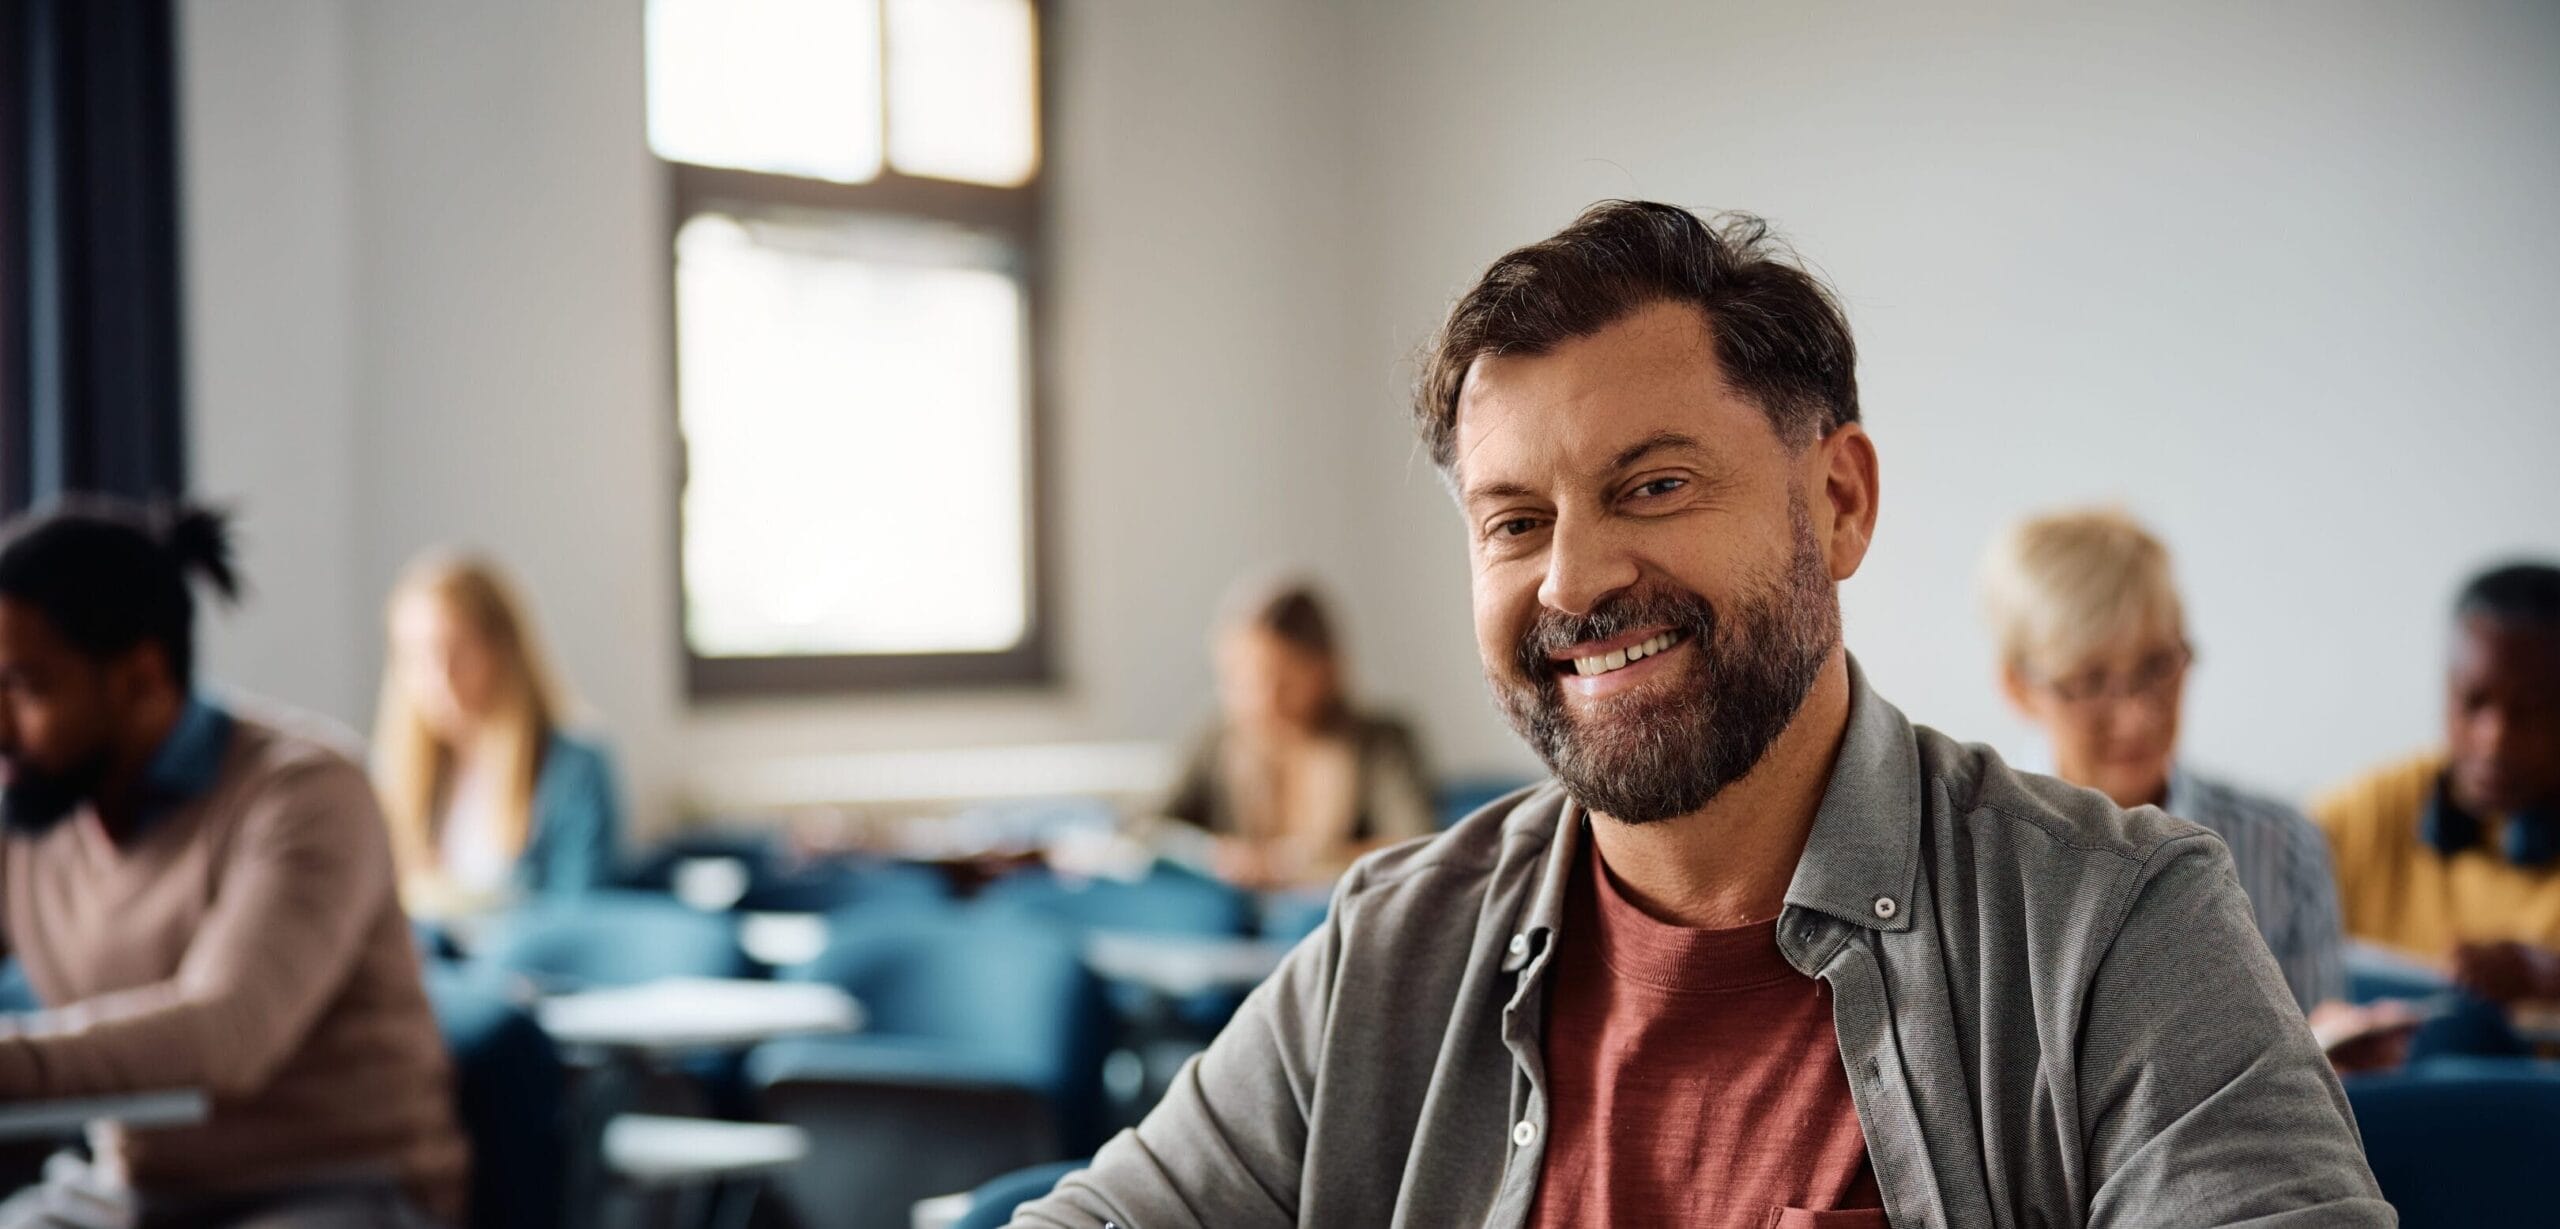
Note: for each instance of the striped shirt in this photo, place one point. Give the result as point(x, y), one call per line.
point(2284, 867)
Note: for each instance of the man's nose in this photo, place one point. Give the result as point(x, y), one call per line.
point(1585, 564)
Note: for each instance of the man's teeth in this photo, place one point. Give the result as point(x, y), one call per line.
point(1617, 659)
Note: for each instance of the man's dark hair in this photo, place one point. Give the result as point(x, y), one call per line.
point(2516, 594)
point(110, 574)
point(1778, 334)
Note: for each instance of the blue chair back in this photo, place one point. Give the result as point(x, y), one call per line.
point(1170, 900)
point(1290, 916)
point(992, 1205)
point(2474, 1027)
point(17, 994)
point(616, 938)
point(1462, 798)
point(2462, 1144)
point(510, 1093)
point(780, 883)
point(655, 869)
point(1020, 997)
point(845, 883)
point(2376, 974)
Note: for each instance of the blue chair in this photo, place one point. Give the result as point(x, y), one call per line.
point(436, 943)
point(1466, 796)
point(2376, 974)
point(615, 938)
point(17, 994)
point(835, 884)
point(980, 1052)
point(1290, 916)
point(2475, 1027)
point(778, 882)
point(624, 938)
point(1155, 1034)
point(511, 1095)
point(22, 1162)
point(1170, 900)
point(655, 870)
point(992, 1205)
point(636, 1130)
point(2462, 1143)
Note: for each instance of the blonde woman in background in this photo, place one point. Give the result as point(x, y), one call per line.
point(2094, 652)
point(1292, 781)
point(489, 798)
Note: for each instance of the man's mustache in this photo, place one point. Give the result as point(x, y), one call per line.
point(1554, 631)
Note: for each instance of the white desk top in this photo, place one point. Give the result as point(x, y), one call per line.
point(1181, 965)
point(649, 1149)
point(691, 1014)
point(142, 1110)
point(783, 939)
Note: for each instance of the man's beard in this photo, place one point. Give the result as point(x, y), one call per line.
point(34, 803)
point(1670, 749)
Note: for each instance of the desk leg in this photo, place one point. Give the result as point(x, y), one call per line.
point(607, 1088)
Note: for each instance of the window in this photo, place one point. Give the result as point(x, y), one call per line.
point(856, 249)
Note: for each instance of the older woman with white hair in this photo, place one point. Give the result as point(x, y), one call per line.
point(2094, 652)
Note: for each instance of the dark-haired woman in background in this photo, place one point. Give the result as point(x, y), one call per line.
point(1292, 782)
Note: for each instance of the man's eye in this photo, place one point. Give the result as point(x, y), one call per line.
point(1514, 527)
point(1661, 486)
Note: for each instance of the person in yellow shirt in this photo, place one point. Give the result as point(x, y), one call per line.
point(2454, 855)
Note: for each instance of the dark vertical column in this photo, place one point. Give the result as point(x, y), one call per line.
point(15, 59)
point(90, 371)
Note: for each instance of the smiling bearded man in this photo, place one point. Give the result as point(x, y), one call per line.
point(1655, 755)
point(1765, 954)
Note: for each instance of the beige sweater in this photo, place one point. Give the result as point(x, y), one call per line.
point(247, 943)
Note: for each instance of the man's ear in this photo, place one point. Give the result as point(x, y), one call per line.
point(1845, 507)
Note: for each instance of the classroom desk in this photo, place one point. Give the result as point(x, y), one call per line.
point(626, 1032)
point(685, 1016)
point(1167, 971)
point(63, 1119)
point(1179, 966)
point(782, 940)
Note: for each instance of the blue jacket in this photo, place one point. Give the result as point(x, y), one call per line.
point(576, 843)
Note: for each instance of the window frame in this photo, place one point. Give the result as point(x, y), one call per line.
point(1018, 215)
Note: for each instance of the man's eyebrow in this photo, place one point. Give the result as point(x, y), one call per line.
point(1659, 441)
point(1656, 442)
point(1497, 490)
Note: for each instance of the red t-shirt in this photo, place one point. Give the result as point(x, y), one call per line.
point(1693, 1080)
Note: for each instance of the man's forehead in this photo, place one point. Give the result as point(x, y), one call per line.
point(25, 630)
point(1525, 415)
point(2494, 647)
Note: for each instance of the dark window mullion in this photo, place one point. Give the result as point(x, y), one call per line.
point(880, 113)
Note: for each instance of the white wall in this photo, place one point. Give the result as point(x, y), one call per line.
point(269, 276)
point(2281, 278)
point(2278, 279)
point(502, 374)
